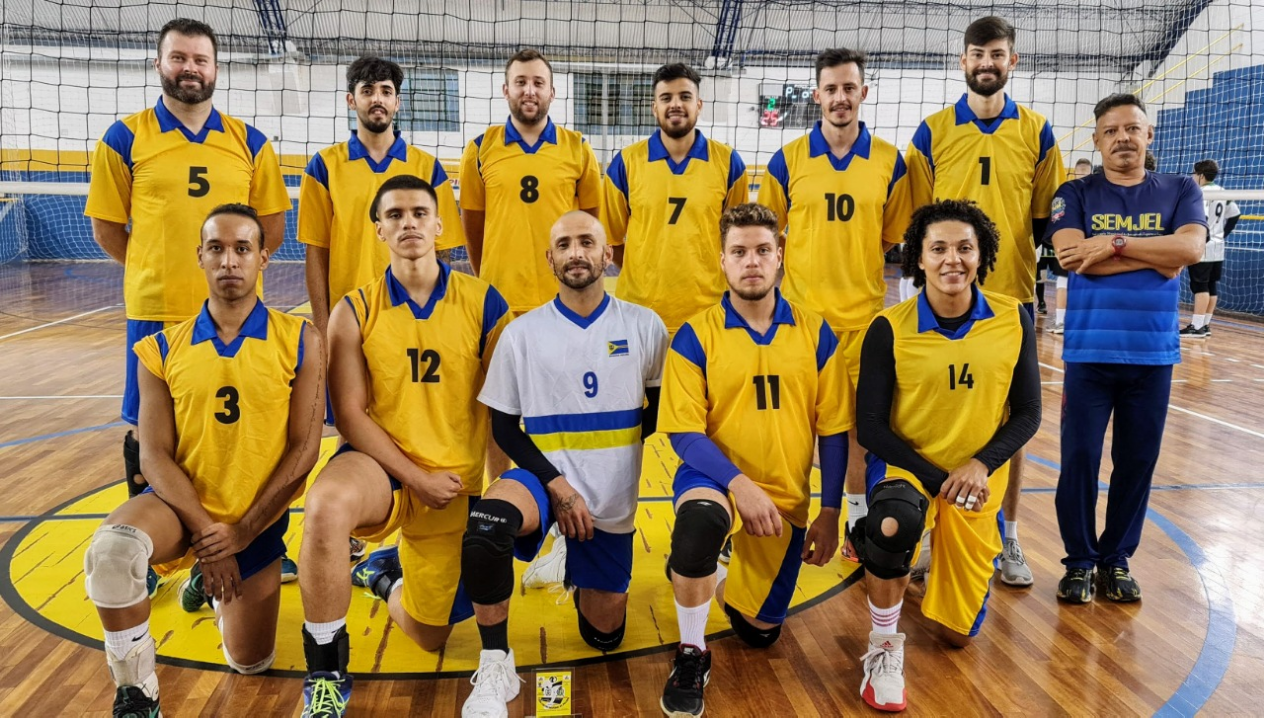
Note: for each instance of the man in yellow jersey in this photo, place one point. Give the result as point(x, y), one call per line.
point(1001, 155)
point(663, 200)
point(408, 354)
point(230, 406)
point(842, 199)
point(951, 351)
point(750, 385)
point(160, 167)
point(517, 179)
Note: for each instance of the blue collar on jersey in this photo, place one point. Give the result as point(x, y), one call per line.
point(965, 114)
point(357, 151)
point(168, 122)
point(698, 151)
point(926, 321)
point(582, 322)
point(549, 135)
point(399, 295)
point(255, 327)
point(781, 314)
point(817, 146)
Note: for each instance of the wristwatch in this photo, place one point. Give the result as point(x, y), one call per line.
point(1118, 244)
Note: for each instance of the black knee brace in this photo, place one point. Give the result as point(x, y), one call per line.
point(701, 527)
point(890, 556)
point(754, 637)
point(131, 465)
point(597, 639)
point(487, 551)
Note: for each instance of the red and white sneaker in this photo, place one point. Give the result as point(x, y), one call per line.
point(883, 686)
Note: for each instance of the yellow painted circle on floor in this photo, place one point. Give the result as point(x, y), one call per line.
point(43, 581)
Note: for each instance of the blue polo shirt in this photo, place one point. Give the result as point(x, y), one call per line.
point(1128, 318)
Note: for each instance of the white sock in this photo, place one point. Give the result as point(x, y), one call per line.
point(693, 624)
point(885, 620)
point(857, 508)
point(324, 632)
point(1059, 315)
point(1199, 320)
point(1011, 530)
point(721, 573)
point(118, 643)
point(395, 586)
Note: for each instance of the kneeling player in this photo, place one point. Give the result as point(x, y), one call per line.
point(939, 373)
point(408, 355)
point(749, 384)
point(575, 373)
point(230, 407)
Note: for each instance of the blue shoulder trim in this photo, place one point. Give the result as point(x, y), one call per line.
point(737, 168)
point(825, 346)
point(1046, 142)
point(439, 176)
point(255, 140)
point(317, 170)
point(351, 304)
point(163, 347)
point(922, 141)
point(901, 169)
point(119, 138)
point(618, 173)
point(777, 168)
point(686, 344)
point(302, 338)
point(494, 307)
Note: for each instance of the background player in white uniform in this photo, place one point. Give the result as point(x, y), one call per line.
point(1222, 217)
point(576, 372)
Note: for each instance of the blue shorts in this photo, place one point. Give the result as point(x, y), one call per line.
point(136, 330)
point(1030, 308)
point(602, 563)
point(261, 553)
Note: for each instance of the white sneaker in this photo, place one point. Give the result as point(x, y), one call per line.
point(1058, 328)
point(549, 568)
point(883, 686)
point(1014, 569)
point(495, 684)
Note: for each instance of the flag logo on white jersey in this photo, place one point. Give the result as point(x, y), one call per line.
point(617, 347)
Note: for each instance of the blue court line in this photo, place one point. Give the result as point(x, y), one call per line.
point(59, 434)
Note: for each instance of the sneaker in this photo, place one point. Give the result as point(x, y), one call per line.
point(853, 541)
point(1192, 332)
point(691, 670)
point(1042, 309)
point(192, 595)
point(289, 569)
point(325, 695)
point(495, 684)
point(131, 702)
point(378, 571)
point(726, 553)
point(1076, 586)
point(1118, 585)
point(922, 567)
point(1058, 328)
point(152, 580)
point(1014, 569)
point(883, 686)
point(547, 569)
point(137, 692)
point(358, 549)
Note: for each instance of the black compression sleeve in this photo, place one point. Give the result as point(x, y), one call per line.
point(1038, 229)
point(1230, 224)
point(649, 417)
point(874, 396)
point(507, 430)
point(1024, 404)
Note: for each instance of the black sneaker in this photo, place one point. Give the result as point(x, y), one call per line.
point(726, 553)
point(131, 702)
point(1042, 309)
point(1118, 585)
point(1190, 332)
point(1076, 586)
point(691, 669)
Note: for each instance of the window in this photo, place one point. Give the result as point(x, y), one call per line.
point(430, 101)
point(626, 100)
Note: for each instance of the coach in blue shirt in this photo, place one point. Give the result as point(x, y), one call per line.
point(1124, 235)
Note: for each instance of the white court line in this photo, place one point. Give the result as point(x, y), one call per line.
point(59, 321)
point(1047, 366)
point(1216, 421)
point(63, 396)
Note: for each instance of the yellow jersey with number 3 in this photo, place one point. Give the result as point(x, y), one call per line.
point(149, 169)
point(231, 401)
point(524, 189)
point(1010, 166)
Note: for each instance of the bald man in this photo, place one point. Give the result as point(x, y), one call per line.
point(582, 365)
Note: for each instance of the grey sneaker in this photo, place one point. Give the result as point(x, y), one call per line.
point(922, 567)
point(1057, 329)
point(1014, 570)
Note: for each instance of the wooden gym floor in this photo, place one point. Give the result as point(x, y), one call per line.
point(1194, 644)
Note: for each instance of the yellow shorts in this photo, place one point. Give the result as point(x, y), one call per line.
point(763, 571)
point(430, 555)
point(849, 344)
point(964, 547)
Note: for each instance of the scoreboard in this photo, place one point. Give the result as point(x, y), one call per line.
point(786, 105)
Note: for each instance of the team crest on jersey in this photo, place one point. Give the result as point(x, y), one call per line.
point(1058, 208)
point(617, 347)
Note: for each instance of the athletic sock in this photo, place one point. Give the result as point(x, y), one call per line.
point(1199, 320)
point(721, 573)
point(885, 620)
point(1059, 315)
point(394, 587)
point(1011, 530)
point(323, 633)
point(495, 637)
point(693, 624)
point(857, 508)
point(118, 643)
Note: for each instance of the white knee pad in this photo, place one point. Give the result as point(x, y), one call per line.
point(115, 566)
point(250, 670)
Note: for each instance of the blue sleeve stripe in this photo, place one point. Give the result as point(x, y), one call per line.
point(163, 347)
point(439, 176)
point(317, 170)
point(574, 423)
point(825, 346)
point(351, 304)
point(255, 140)
point(478, 141)
point(686, 344)
point(1046, 142)
point(737, 169)
point(302, 339)
point(494, 307)
point(922, 141)
point(618, 174)
point(119, 138)
point(778, 170)
point(901, 169)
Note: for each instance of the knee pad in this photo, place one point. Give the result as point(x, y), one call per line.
point(890, 556)
point(598, 639)
point(487, 551)
point(696, 541)
point(752, 636)
point(115, 566)
point(131, 464)
point(252, 669)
